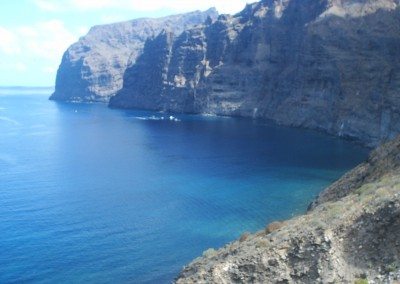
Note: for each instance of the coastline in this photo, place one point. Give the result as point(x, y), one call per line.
point(348, 234)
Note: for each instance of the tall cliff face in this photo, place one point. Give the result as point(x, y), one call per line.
point(332, 65)
point(92, 69)
point(349, 236)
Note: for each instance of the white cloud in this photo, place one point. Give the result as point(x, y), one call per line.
point(27, 31)
point(51, 40)
point(223, 6)
point(82, 30)
point(46, 40)
point(93, 4)
point(50, 6)
point(42, 43)
point(112, 18)
point(8, 42)
point(49, 69)
point(20, 67)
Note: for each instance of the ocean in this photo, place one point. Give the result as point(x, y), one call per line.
point(90, 194)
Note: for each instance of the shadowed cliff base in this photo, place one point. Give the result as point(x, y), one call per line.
point(327, 65)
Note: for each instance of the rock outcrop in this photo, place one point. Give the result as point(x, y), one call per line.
point(350, 236)
point(92, 69)
point(332, 65)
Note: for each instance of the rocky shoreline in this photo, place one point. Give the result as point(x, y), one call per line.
point(349, 235)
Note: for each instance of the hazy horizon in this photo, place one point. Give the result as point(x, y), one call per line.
point(27, 86)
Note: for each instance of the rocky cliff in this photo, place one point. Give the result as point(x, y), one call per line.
point(332, 65)
point(92, 69)
point(350, 235)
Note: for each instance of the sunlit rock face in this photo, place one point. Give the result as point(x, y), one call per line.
point(332, 65)
point(92, 69)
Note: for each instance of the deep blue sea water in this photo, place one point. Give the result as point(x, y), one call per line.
point(94, 195)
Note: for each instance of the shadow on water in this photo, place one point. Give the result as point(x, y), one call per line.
point(105, 195)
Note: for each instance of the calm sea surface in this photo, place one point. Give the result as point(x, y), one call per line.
point(94, 195)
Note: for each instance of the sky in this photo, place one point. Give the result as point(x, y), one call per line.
point(35, 33)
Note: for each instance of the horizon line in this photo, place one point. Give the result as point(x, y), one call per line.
point(20, 86)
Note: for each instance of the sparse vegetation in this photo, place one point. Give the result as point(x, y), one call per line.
point(262, 243)
point(244, 237)
point(360, 228)
point(361, 281)
point(210, 253)
point(272, 227)
point(391, 267)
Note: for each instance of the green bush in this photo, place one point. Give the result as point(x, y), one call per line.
point(361, 281)
point(391, 267)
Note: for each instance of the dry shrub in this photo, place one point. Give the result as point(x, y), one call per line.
point(244, 237)
point(272, 227)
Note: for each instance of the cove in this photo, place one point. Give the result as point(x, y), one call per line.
point(92, 194)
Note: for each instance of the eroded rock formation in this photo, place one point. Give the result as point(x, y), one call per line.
point(92, 69)
point(323, 64)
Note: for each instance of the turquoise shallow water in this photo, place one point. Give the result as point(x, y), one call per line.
point(90, 194)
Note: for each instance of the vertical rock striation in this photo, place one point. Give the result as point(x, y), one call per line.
point(332, 65)
point(92, 69)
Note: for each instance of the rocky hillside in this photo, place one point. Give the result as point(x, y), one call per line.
point(351, 235)
point(332, 65)
point(92, 69)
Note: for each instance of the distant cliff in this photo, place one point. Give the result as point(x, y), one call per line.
point(92, 69)
point(351, 235)
point(332, 65)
